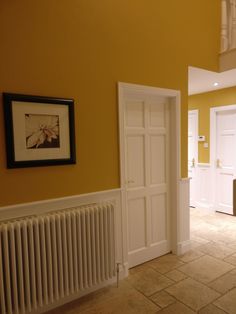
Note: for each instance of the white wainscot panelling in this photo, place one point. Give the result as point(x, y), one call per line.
point(183, 232)
point(203, 183)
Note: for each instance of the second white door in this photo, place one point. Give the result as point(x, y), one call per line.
point(225, 163)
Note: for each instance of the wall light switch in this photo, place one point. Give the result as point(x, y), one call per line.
point(205, 145)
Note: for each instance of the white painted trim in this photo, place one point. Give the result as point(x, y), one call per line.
point(183, 247)
point(43, 206)
point(175, 159)
point(223, 108)
point(148, 89)
point(213, 112)
point(183, 217)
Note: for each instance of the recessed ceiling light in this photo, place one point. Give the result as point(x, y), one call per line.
point(216, 84)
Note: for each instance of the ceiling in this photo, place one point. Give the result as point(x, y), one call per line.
point(201, 81)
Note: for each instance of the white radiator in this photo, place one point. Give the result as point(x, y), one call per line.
point(52, 256)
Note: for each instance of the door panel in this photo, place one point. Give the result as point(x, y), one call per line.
point(135, 161)
point(137, 229)
point(147, 177)
point(157, 115)
point(135, 114)
point(158, 207)
point(157, 159)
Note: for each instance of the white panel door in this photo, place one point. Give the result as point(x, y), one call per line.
point(192, 153)
point(147, 176)
point(225, 164)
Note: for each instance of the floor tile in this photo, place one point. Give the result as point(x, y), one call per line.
point(190, 256)
point(176, 308)
point(198, 239)
point(220, 237)
point(194, 244)
point(227, 302)
point(193, 293)
point(165, 263)
point(224, 283)
point(231, 259)
point(111, 300)
point(232, 246)
point(163, 299)
point(176, 275)
point(216, 250)
point(206, 269)
point(137, 269)
point(206, 233)
point(211, 309)
point(149, 281)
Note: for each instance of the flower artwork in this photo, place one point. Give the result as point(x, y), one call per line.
point(42, 131)
point(39, 130)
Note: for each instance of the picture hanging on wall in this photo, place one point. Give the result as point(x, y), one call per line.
point(39, 130)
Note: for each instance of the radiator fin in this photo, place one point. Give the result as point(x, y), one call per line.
point(49, 257)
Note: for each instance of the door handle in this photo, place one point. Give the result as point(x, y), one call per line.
point(129, 181)
point(193, 163)
point(218, 163)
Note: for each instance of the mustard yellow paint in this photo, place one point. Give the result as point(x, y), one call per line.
point(80, 49)
point(203, 102)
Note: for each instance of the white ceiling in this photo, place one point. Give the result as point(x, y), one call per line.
point(201, 81)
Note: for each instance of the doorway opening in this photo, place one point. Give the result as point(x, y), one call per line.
point(212, 98)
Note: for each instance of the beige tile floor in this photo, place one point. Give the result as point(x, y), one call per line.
point(200, 281)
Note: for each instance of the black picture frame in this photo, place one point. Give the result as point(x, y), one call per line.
point(39, 130)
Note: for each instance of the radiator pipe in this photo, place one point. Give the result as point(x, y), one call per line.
point(117, 274)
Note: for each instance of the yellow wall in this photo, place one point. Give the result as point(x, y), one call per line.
point(203, 102)
point(80, 49)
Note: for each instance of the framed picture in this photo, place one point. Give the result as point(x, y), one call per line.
point(39, 130)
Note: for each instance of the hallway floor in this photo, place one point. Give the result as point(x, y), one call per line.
point(200, 281)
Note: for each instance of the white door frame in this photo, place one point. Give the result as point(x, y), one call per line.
point(176, 221)
point(213, 113)
point(195, 112)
